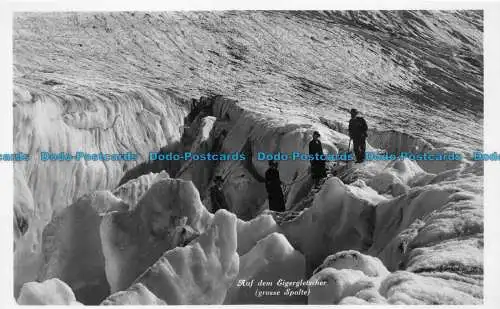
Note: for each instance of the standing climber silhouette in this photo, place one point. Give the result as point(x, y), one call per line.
point(273, 187)
point(217, 196)
point(358, 133)
point(318, 170)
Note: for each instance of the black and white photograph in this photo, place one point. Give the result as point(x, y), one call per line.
point(248, 157)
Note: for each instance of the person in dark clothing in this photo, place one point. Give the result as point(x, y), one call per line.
point(318, 170)
point(273, 187)
point(217, 196)
point(358, 133)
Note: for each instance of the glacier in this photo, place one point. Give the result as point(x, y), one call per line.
point(143, 232)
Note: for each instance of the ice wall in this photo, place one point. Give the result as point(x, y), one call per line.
point(270, 260)
point(72, 245)
point(170, 214)
point(430, 238)
point(204, 139)
point(199, 273)
point(250, 133)
point(135, 120)
point(338, 220)
point(440, 262)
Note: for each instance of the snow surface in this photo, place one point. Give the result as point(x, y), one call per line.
point(250, 232)
point(289, 63)
point(338, 219)
point(50, 292)
point(351, 259)
point(271, 259)
point(340, 284)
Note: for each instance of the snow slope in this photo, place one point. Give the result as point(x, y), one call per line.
point(425, 67)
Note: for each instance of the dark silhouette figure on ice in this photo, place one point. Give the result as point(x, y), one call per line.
point(273, 187)
point(358, 133)
point(217, 196)
point(318, 169)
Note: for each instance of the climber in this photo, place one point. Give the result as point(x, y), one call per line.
point(217, 196)
point(318, 170)
point(273, 187)
point(358, 133)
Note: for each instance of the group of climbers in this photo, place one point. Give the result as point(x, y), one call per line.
point(273, 187)
point(357, 133)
